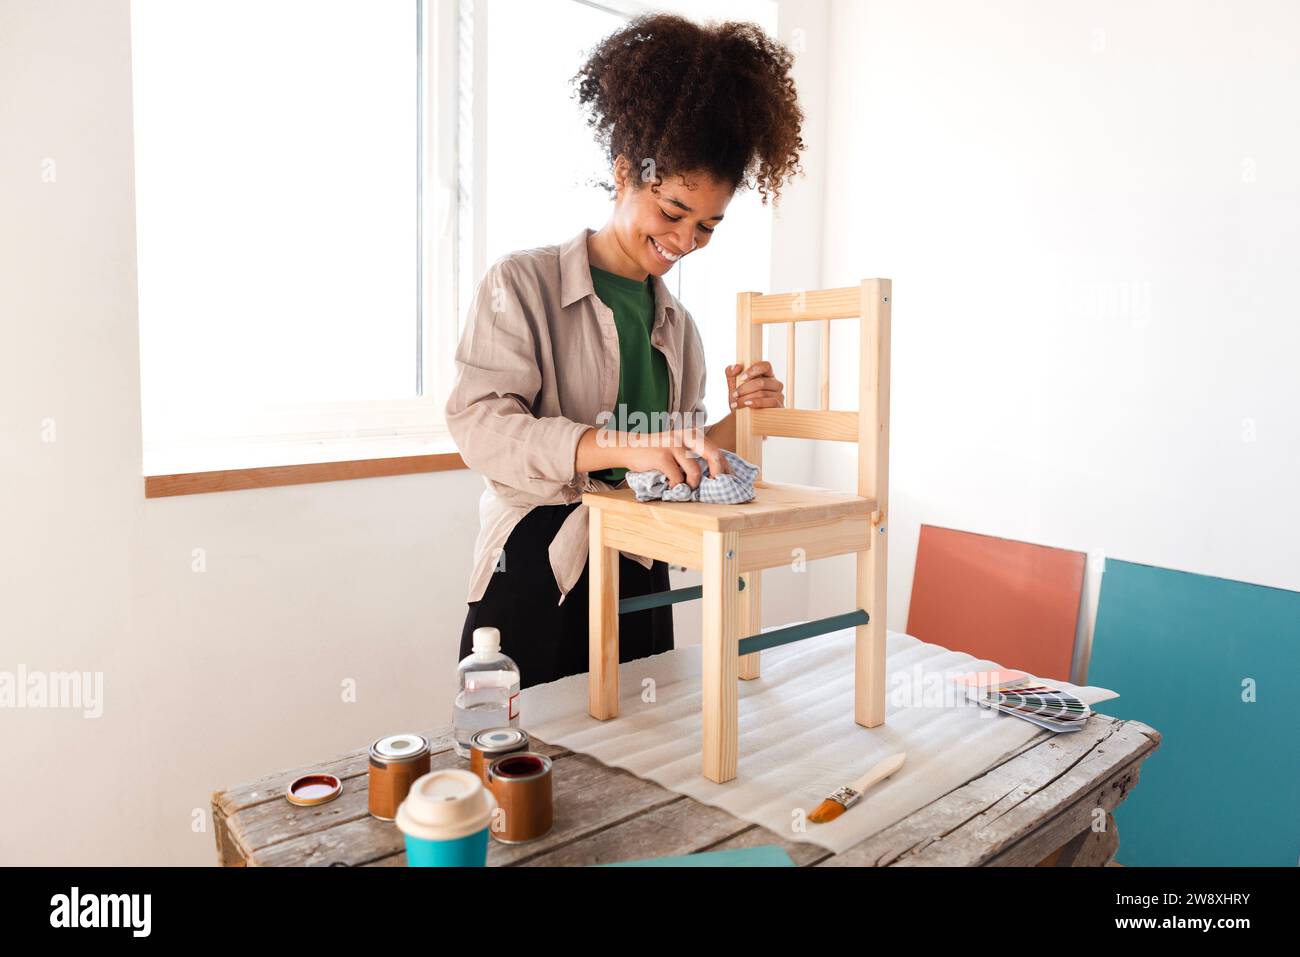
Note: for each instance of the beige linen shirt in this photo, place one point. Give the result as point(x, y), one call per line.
point(536, 366)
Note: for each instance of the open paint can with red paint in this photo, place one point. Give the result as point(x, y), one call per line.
point(521, 783)
point(312, 789)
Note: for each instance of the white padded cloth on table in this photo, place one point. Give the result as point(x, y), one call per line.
point(798, 739)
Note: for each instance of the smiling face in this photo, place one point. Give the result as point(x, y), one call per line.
point(656, 226)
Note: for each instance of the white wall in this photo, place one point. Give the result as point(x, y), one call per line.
point(1089, 212)
point(211, 678)
point(796, 259)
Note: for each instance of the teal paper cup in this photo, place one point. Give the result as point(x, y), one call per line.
point(445, 819)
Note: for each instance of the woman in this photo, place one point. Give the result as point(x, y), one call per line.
point(562, 339)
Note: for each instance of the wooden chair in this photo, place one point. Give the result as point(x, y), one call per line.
point(732, 544)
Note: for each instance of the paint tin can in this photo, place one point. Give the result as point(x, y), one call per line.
point(521, 784)
point(395, 762)
point(491, 743)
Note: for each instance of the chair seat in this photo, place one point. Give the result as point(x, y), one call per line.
point(773, 505)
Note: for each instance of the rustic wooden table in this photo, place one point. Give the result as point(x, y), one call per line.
point(1036, 808)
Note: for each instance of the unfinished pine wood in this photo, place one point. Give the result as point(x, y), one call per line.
point(749, 349)
point(805, 306)
point(829, 426)
point(645, 533)
point(720, 655)
point(790, 365)
point(783, 544)
point(602, 627)
point(749, 446)
point(751, 617)
point(772, 506)
point(1041, 801)
point(826, 365)
point(873, 483)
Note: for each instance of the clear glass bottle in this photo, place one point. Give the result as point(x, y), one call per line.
point(488, 696)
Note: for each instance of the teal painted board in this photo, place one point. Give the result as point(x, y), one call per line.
point(765, 855)
point(1182, 649)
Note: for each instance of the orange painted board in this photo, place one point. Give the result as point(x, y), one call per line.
point(1006, 601)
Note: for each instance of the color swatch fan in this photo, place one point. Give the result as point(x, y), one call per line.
point(1026, 697)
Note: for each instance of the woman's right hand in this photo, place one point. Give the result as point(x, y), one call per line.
point(677, 454)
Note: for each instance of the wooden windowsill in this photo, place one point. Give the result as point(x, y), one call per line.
point(232, 480)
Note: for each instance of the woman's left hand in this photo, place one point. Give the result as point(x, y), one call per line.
point(755, 387)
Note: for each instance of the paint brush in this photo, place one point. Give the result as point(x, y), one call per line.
point(842, 799)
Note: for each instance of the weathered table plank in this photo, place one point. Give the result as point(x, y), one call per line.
point(1065, 774)
point(1039, 806)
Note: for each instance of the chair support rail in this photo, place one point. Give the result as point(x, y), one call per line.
point(806, 629)
point(659, 598)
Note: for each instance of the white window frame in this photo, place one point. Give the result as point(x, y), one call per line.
point(292, 434)
point(452, 111)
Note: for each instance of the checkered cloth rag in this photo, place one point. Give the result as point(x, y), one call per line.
point(727, 489)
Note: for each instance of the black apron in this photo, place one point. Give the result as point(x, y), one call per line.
point(548, 640)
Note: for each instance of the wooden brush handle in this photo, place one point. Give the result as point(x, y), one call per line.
point(879, 771)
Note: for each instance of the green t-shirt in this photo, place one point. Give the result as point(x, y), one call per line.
point(643, 370)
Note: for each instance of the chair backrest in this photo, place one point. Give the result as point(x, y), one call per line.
point(868, 302)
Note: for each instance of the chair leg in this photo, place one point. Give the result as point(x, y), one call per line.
point(869, 650)
point(751, 623)
point(602, 622)
point(721, 655)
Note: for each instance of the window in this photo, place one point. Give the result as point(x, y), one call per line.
point(321, 183)
point(292, 203)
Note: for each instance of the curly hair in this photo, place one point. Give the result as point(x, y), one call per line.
point(716, 98)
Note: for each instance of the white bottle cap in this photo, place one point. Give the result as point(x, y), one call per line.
point(487, 642)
